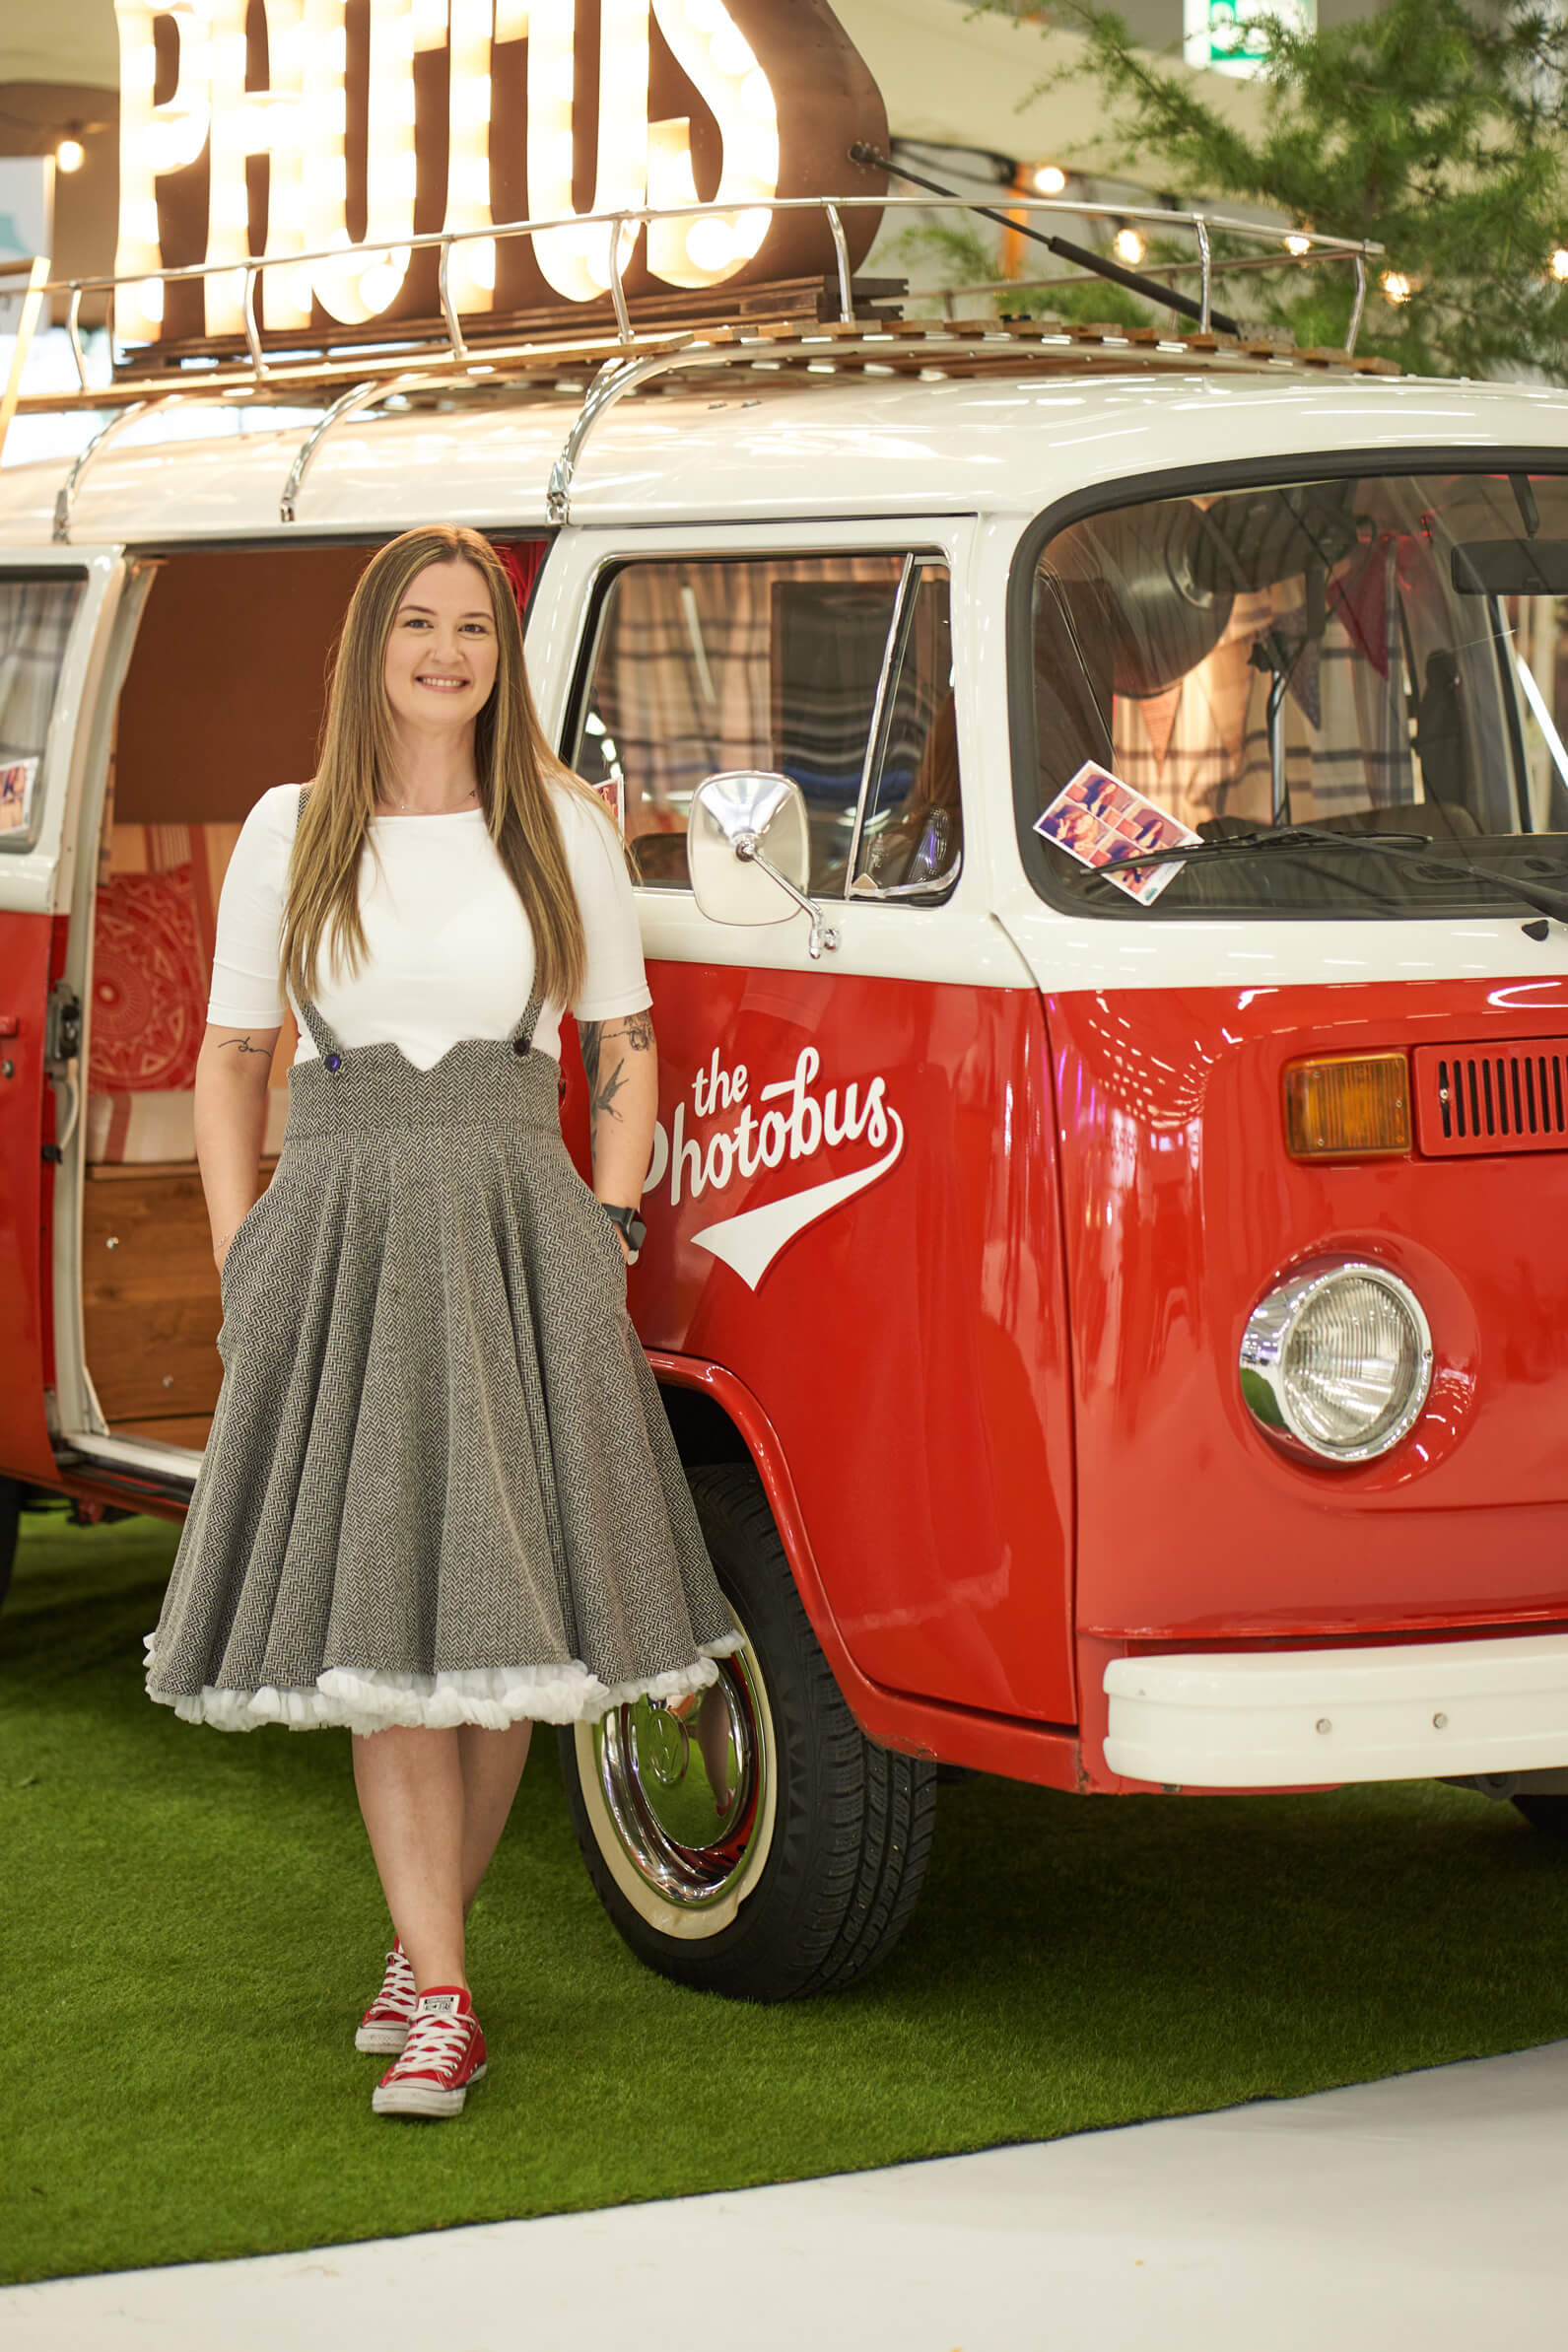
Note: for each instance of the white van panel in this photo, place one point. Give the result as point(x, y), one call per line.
point(756, 447)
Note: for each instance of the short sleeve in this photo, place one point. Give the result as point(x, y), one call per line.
point(249, 930)
point(614, 981)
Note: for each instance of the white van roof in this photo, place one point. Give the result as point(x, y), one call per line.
point(755, 448)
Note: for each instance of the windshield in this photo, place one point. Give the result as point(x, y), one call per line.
point(1386, 654)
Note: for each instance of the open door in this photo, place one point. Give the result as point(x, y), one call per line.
point(58, 610)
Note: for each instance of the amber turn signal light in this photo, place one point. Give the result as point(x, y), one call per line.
point(1347, 1106)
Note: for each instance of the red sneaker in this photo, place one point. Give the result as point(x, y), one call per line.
point(445, 2052)
point(384, 2025)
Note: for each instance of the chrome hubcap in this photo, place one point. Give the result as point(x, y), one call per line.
point(689, 1799)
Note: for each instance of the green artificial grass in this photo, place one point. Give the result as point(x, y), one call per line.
point(190, 1924)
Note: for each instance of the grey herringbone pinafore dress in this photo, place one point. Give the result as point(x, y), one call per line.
point(439, 1485)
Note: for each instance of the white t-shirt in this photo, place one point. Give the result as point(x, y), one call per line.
point(450, 946)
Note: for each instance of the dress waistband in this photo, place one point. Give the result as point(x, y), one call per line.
point(480, 1081)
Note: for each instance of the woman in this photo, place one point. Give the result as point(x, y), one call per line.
point(439, 1500)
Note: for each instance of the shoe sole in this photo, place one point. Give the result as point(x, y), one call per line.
point(381, 2038)
point(422, 2099)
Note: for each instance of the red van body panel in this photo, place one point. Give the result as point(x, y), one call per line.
point(1182, 1207)
point(908, 1343)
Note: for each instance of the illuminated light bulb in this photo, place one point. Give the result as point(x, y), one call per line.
point(69, 154)
point(468, 177)
point(430, 24)
point(512, 20)
point(478, 262)
point(732, 51)
point(702, 15)
point(563, 153)
point(1298, 244)
point(302, 292)
point(140, 221)
point(1128, 246)
point(335, 49)
point(470, 99)
point(231, 208)
point(1396, 287)
point(1559, 264)
point(756, 95)
point(711, 243)
point(751, 230)
point(379, 285)
point(149, 299)
point(1050, 180)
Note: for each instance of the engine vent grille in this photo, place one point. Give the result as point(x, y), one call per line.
point(1511, 1097)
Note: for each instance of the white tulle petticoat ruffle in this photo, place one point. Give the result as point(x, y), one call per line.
point(490, 1696)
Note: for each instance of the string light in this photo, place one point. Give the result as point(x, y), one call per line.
point(1129, 246)
point(1558, 264)
point(69, 154)
point(1050, 180)
point(1396, 287)
point(1298, 244)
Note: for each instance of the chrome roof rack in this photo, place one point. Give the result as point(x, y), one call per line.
point(773, 329)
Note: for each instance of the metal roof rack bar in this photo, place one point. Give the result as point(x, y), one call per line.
point(613, 379)
point(65, 498)
point(1304, 246)
point(362, 394)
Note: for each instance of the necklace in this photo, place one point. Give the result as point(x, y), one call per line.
point(395, 810)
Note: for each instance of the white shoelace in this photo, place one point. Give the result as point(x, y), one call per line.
point(436, 2040)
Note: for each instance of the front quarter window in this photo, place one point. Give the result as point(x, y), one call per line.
point(1374, 655)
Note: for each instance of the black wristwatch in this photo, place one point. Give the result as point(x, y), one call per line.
point(631, 1225)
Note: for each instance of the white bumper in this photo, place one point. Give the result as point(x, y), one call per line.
point(1285, 1719)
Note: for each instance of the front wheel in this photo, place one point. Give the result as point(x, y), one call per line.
point(1547, 1813)
point(765, 1848)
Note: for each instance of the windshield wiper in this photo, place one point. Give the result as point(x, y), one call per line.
point(1410, 847)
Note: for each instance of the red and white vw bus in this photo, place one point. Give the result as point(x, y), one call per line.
point(1115, 1314)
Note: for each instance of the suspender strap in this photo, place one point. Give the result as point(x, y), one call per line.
point(523, 1034)
point(323, 1036)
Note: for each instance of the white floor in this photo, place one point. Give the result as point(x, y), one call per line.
point(1430, 2211)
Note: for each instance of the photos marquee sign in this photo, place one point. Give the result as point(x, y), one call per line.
point(277, 128)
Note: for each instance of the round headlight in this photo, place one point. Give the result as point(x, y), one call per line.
point(1340, 1360)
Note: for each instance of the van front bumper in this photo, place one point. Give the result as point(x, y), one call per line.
point(1416, 1710)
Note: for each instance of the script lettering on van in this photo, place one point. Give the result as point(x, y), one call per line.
point(787, 1120)
point(260, 129)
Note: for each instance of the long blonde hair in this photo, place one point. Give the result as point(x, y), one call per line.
point(515, 768)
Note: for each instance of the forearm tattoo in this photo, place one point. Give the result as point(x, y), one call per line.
point(606, 1074)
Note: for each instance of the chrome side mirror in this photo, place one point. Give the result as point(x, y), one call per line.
point(747, 842)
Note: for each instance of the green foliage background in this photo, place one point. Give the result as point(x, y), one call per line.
point(1437, 130)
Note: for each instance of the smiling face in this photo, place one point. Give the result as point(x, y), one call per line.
point(441, 652)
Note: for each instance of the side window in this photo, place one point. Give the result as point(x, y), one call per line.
point(36, 617)
point(835, 670)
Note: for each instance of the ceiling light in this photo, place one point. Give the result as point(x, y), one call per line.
point(69, 154)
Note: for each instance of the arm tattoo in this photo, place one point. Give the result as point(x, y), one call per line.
point(635, 1031)
point(244, 1046)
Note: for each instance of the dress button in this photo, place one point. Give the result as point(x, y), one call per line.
point(332, 1061)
